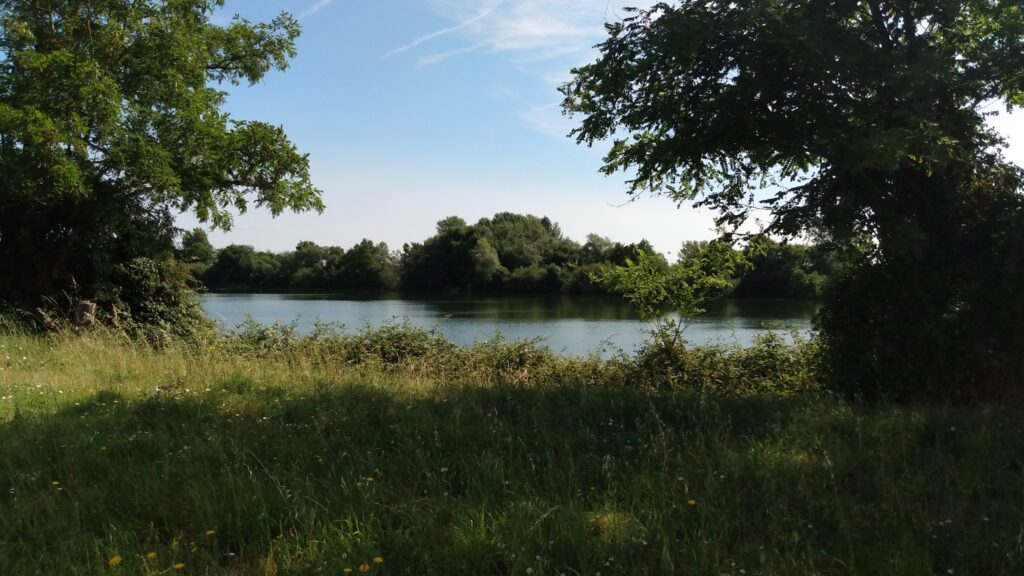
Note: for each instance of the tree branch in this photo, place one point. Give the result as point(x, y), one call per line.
point(878, 19)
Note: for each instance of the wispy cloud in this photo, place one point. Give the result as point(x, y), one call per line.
point(547, 119)
point(543, 38)
point(438, 57)
point(533, 30)
point(460, 26)
point(320, 5)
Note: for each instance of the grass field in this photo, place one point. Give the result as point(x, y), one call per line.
point(243, 458)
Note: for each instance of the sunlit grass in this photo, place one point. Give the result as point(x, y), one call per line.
point(233, 458)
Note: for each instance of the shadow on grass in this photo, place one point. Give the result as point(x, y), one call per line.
point(251, 479)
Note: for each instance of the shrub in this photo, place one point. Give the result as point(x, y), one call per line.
point(394, 343)
point(770, 365)
point(155, 300)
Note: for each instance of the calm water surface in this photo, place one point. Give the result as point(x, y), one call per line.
point(574, 325)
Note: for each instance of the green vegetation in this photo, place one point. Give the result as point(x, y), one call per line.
point(135, 439)
point(267, 453)
point(653, 287)
point(507, 253)
point(858, 122)
point(111, 122)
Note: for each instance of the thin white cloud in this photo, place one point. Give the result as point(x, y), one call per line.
point(460, 26)
point(542, 38)
point(547, 119)
point(533, 30)
point(438, 57)
point(315, 8)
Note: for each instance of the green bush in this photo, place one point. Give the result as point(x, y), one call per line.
point(154, 300)
point(394, 343)
point(770, 365)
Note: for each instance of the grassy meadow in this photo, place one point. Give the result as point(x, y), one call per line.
point(392, 452)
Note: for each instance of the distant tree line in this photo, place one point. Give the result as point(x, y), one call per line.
point(507, 253)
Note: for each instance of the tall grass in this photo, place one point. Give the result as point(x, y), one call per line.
point(263, 452)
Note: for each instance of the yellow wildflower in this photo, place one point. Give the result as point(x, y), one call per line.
point(103, 448)
point(691, 502)
point(150, 555)
point(211, 532)
point(55, 483)
point(114, 561)
point(179, 566)
point(369, 478)
point(378, 560)
point(346, 570)
point(364, 567)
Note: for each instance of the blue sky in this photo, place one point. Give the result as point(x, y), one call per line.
point(413, 110)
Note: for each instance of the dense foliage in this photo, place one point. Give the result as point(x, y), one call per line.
point(860, 122)
point(365, 266)
point(776, 270)
point(510, 252)
point(111, 121)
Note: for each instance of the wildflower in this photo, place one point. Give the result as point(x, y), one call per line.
point(55, 483)
point(378, 560)
point(115, 561)
point(179, 566)
point(346, 570)
point(211, 532)
point(364, 567)
point(150, 555)
point(691, 502)
point(369, 478)
point(103, 448)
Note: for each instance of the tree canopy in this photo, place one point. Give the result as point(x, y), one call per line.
point(830, 105)
point(861, 121)
point(111, 121)
point(532, 255)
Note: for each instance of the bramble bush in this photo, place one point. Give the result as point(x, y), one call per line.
point(772, 365)
point(154, 299)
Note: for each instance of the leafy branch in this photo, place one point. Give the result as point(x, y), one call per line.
point(671, 296)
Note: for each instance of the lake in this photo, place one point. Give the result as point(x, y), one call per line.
point(572, 325)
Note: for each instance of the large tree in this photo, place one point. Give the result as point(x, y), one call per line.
point(111, 121)
point(859, 120)
point(196, 247)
